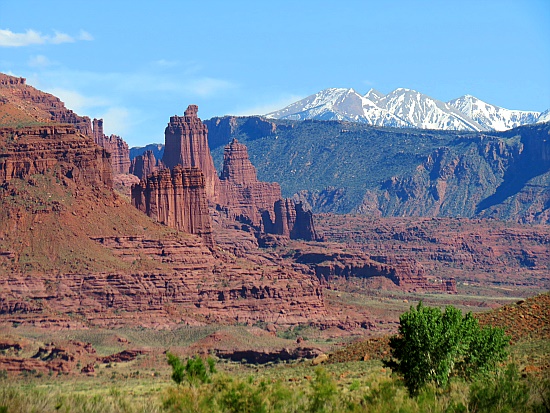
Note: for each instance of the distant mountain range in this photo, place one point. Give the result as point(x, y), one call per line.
point(406, 108)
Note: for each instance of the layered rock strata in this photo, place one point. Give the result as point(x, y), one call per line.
point(331, 263)
point(22, 103)
point(176, 198)
point(199, 289)
point(500, 257)
point(36, 150)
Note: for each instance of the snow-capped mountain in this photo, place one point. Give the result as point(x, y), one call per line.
point(424, 112)
point(492, 117)
point(339, 104)
point(544, 116)
point(406, 108)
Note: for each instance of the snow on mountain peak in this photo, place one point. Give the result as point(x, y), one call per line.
point(492, 117)
point(406, 108)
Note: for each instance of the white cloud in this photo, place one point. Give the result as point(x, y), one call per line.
point(165, 63)
point(11, 39)
point(30, 37)
point(117, 120)
point(61, 38)
point(207, 86)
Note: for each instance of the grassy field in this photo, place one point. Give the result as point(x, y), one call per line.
point(286, 387)
point(354, 379)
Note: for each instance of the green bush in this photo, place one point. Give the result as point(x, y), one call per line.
point(194, 370)
point(433, 345)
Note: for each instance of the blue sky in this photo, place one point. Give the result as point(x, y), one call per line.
point(137, 63)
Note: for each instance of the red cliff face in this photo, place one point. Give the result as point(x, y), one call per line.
point(115, 145)
point(36, 150)
point(186, 144)
point(176, 198)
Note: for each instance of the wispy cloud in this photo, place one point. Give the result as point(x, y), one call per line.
point(40, 61)
point(84, 35)
point(207, 86)
point(117, 120)
point(11, 39)
point(269, 106)
point(61, 38)
point(76, 101)
point(31, 37)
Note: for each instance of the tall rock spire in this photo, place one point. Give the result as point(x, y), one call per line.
point(186, 144)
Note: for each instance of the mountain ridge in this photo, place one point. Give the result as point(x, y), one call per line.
point(406, 108)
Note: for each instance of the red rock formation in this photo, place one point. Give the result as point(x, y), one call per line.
point(237, 167)
point(144, 165)
point(332, 262)
point(241, 194)
point(496, 254)
point(36, 150)
point(25, 104)
point(186, 144)
point(176, 198)
point(115, 145)
point(259, 203)
point(237, 193)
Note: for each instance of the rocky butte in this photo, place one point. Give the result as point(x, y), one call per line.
point(236, 193)
point(186, 144)
point(74, 253)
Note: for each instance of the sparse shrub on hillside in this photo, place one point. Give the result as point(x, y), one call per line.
point(433, 345)
point(195, 370)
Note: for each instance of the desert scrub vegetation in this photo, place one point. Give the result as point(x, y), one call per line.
point(326, 389)
point(356, 389)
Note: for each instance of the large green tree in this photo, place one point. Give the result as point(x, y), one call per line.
point(433, 345)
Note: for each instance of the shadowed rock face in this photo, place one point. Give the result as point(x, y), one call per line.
point(176, 198)
point(291, 221)
point(144, 165)
point(242, 196)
